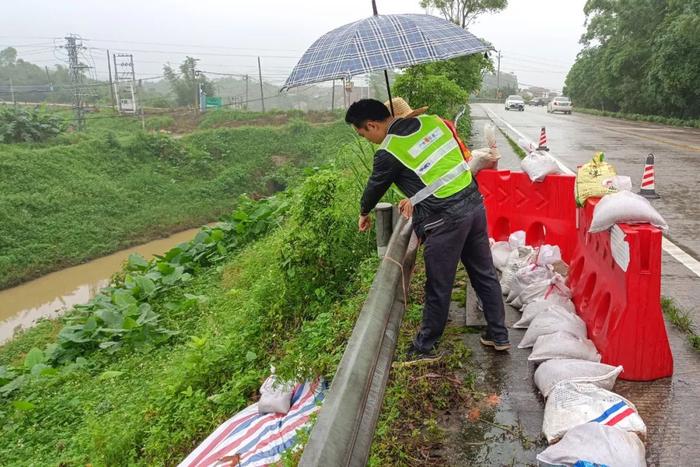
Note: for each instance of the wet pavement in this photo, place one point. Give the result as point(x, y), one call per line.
point(511, 435)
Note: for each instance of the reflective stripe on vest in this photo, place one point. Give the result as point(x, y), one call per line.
point(434, 155)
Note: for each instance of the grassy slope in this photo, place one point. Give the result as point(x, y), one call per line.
point(93, 194)
point(289, 299)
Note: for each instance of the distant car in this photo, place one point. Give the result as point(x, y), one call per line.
point(515, 102)
point(539, 102)
point(560, 104)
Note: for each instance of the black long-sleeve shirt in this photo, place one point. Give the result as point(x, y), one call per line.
point(387, 169)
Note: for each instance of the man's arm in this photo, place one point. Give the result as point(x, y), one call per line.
point(384, 172)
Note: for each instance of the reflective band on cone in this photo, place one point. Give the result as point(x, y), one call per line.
point(648, 187)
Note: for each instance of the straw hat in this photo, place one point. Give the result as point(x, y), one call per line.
point(403, 110)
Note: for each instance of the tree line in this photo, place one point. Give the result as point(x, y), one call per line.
point(639, 56)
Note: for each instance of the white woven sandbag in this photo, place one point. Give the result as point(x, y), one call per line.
point(596, 444)
point(518, 258)
point(553, 372)
point(539, 290)
point(550, 321)
point(624, 207)
point(484, 158)
point(547, 255)
point(571, 404)
point(525, 276)
point(275, 396)
point(537, 165)
point(500, 252)
point(563, 345)
point(517, 239)
point(536, 307)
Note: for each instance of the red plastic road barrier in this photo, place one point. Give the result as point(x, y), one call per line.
point(615, 277)
point(546, 211)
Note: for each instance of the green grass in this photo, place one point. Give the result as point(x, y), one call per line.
point(520, 152)
point(681, 319)
point(289, 299)
point(641, 118)
point(87, 195)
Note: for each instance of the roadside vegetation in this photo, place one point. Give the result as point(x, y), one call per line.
point(177, 345)
point(682, 320)
point(84, 195)
point(642, 118)
point(639, 70)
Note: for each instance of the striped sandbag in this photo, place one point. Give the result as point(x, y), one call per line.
point(250, 439)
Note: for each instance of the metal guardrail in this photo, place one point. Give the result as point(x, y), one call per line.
point(342, 435)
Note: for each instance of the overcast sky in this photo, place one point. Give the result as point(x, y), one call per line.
point(538, 38)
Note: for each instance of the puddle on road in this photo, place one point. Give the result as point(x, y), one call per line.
point(50, 295)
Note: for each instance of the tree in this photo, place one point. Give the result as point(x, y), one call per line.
point(639, 56)
point(463, 12)
point(186, 83)
point(8, 56)
point(420, 87)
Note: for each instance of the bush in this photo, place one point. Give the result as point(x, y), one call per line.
point(19, 125)
point(160, 123)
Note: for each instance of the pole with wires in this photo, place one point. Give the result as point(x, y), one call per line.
point(262, 97)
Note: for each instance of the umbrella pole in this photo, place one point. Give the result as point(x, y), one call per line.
point(386, 74)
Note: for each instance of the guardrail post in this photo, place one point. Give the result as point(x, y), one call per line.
point(384, 226)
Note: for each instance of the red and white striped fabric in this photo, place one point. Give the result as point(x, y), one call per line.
point(250, 439)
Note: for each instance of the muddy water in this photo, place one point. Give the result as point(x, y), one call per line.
point(50, 295)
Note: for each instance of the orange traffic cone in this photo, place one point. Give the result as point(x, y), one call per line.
point(543, 141)
point(648, 188)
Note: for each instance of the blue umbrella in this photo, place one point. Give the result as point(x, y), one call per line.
point(382, 42)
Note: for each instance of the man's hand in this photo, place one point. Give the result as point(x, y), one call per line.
point(364, 223)
point(406, 208)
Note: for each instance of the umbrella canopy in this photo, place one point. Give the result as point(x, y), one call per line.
point(382, 42)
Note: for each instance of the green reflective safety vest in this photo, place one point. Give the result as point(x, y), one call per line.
point(434, 155)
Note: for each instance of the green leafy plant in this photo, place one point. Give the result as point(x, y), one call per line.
point(18, 125)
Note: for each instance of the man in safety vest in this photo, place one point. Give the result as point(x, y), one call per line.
point(422, 157)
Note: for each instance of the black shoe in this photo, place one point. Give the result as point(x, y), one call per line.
point(498, 344)
point(414, 355)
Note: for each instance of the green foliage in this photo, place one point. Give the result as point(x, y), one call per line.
point(648, 70)
point(464, 12)
point(444, 86)
point(165, 122)
point(233, 319)
point(18, 125)
point(186, 83)
point(146, 186)
point(645, 118)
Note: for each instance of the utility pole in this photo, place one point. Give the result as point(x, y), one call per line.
point(246, 92)
point(12, 92)
point(195, 76)
point(111, 84)
point(262, 96)
point(76, 77)
point(498, 77)
point(48, 78)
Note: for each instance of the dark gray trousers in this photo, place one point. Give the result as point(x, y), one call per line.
point(448, 240)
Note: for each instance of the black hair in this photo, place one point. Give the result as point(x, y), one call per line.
point(365, 110)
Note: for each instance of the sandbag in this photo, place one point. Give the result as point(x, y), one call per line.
point(536, 307)
point(524, 277)
point(550, 321)
point(556, 285)
point(517, 239)
point(563, 345)
point(624, 207)
point(552, 372)
point(538, 165)
point(596, 444)
point(484, 158)
point(571, 404)
point(518, 259)
point(500, 252)
point(275, 396)
point(591, 177)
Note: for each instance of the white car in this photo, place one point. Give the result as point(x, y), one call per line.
point(560, 104)
point(515, 103)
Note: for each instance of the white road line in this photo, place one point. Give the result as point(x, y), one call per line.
point(667, 245)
